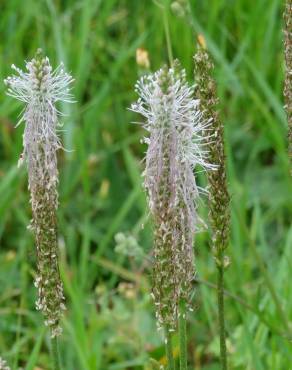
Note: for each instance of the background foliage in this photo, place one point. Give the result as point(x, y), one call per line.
point(110, 323)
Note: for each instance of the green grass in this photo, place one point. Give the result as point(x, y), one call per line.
point(108, 325)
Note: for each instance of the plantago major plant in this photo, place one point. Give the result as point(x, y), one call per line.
point(40, 88)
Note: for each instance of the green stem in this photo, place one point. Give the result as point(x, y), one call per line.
point(182, 324)
point(167, 36)
point(164, 8)
point(168, 349)
point(221, 316)
point(55, 354)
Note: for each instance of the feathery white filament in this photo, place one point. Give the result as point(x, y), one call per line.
point(175, 149)
point(175, 108)
point(40, 88)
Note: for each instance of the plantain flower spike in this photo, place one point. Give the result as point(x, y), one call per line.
point(218, 195)
point(288, 76)
point(40, 88)
point(174, 125)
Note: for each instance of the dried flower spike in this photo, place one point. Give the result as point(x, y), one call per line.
point(218, 195)
point(40, 88)
point(175, 127)
point(288, 75)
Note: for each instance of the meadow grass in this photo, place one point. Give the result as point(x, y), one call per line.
point(110, 325)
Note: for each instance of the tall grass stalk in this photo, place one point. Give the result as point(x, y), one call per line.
point(167, 36)
point(218, 193)
point(165, 9)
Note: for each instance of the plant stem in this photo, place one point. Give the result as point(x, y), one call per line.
point(221, 317)
point(168, 350)
point(182, 323)
point(55, 354)
point(167, 35)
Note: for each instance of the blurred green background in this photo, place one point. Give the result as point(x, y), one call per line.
point(109, 323)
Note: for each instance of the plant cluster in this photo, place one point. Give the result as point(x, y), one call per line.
point(184, 136)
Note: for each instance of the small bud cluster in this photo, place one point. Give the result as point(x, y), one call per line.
point(40, 88)
point(3, 365)
point(142, 58)
point(180, 8)
point(218, 195)
point(288, 77)
point(175, 127)
point(128, 246)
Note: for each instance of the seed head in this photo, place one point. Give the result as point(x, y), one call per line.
point(40, 88)
point(288, 74)
point(218, 194)
point(175, 148)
